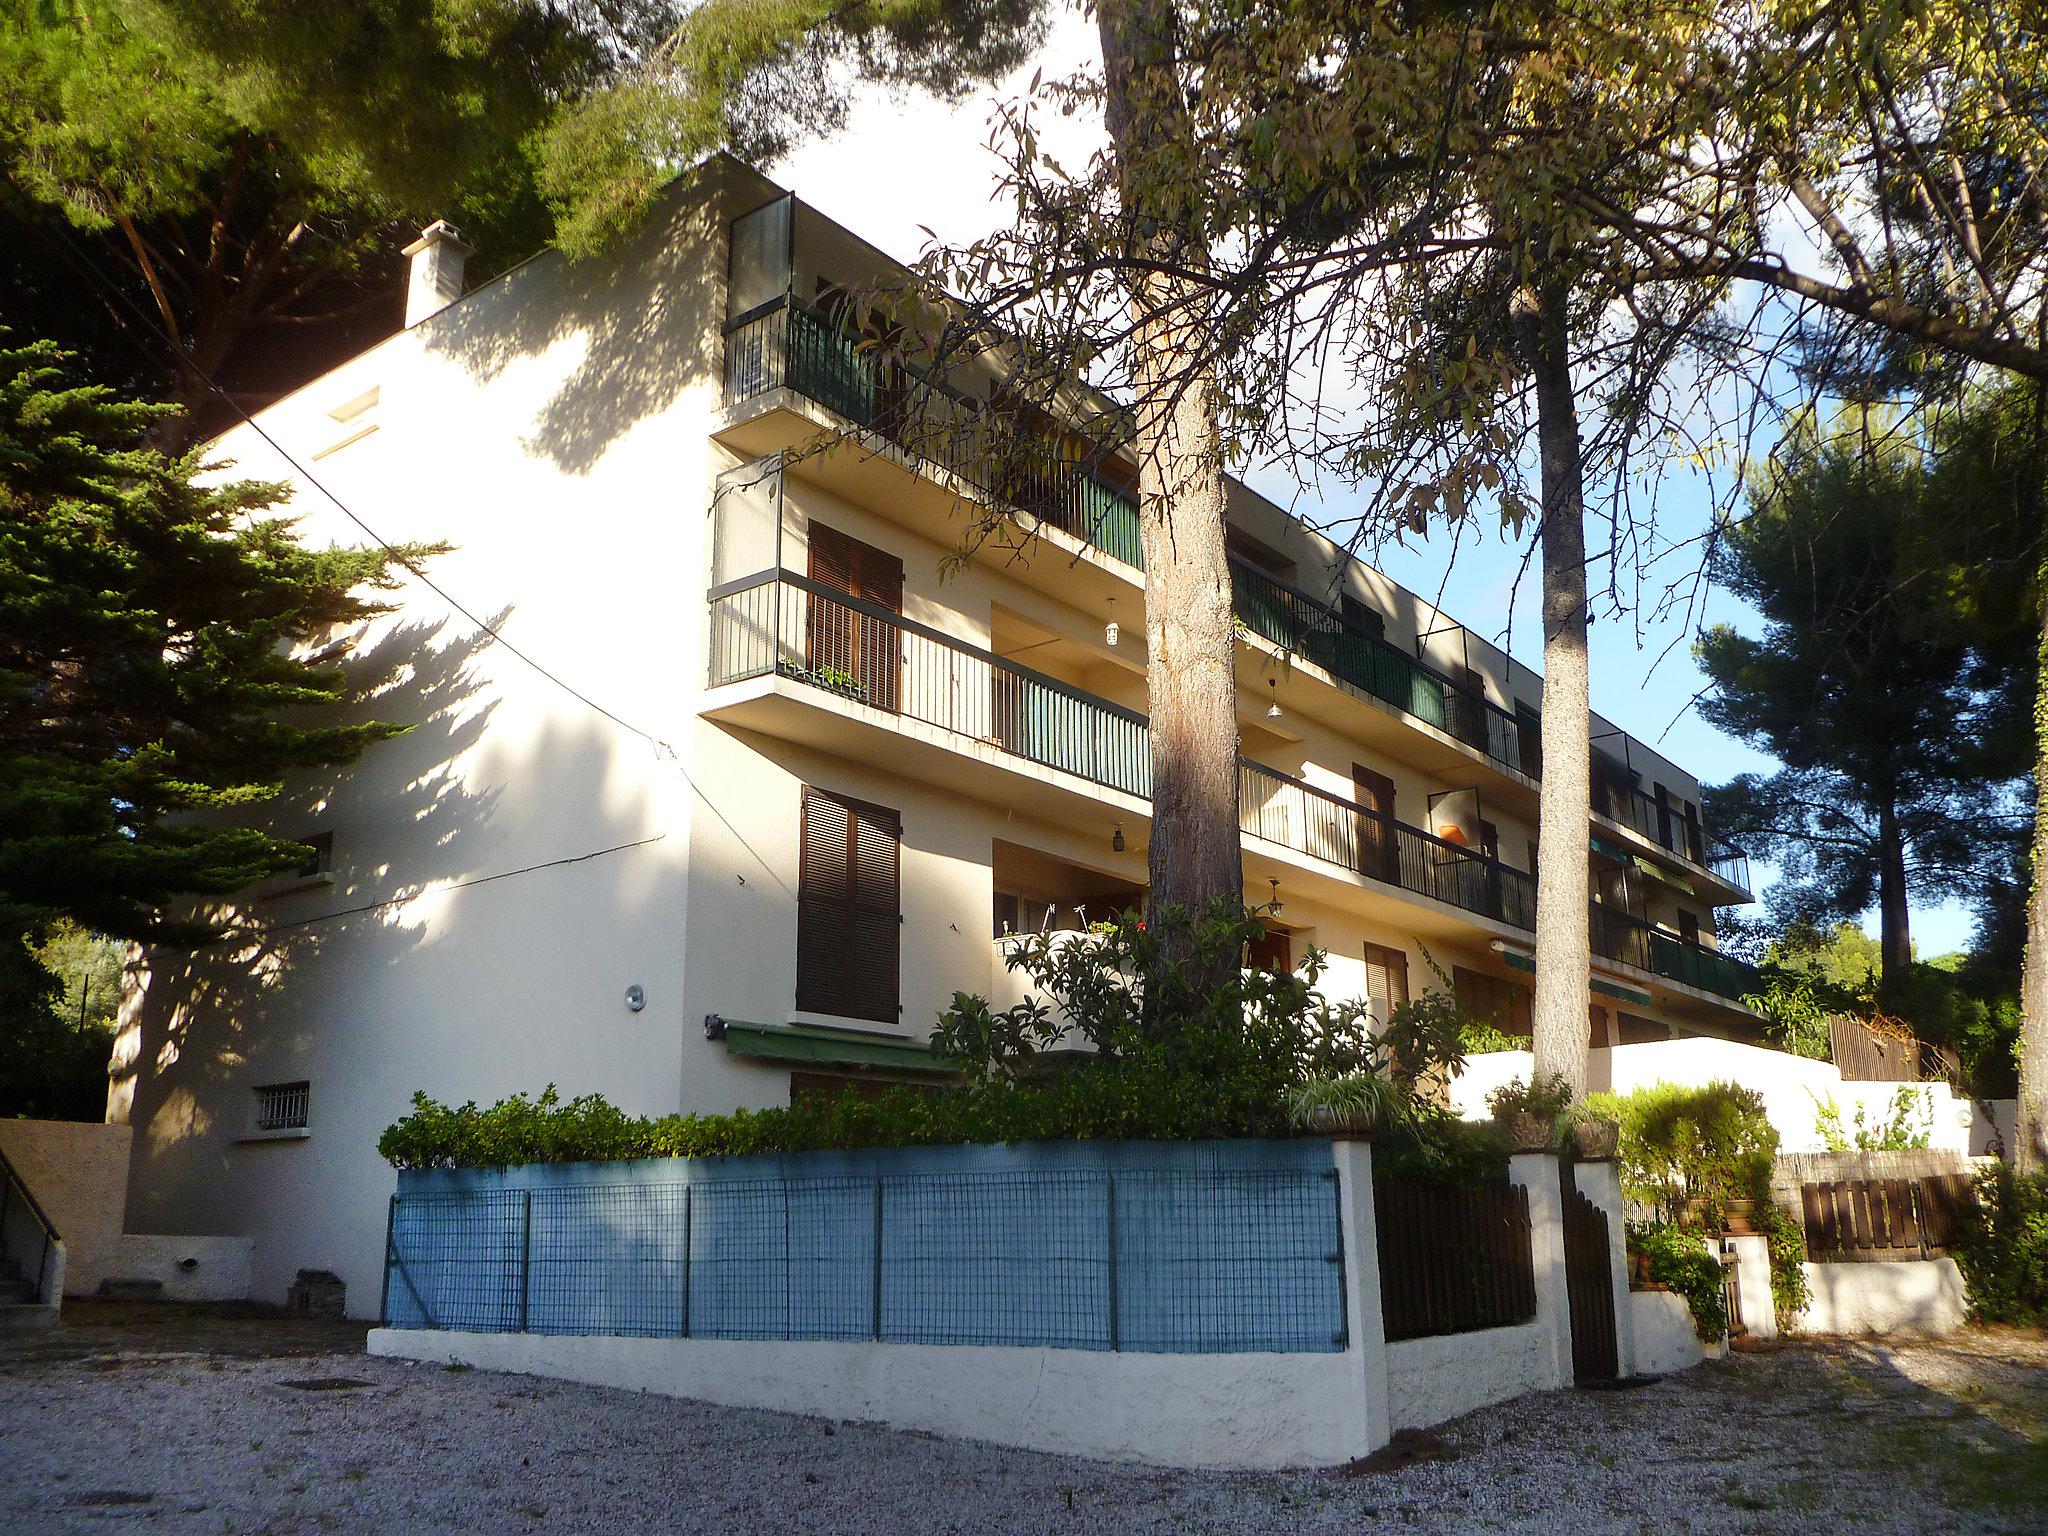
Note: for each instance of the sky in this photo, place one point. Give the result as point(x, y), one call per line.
point(905, 170)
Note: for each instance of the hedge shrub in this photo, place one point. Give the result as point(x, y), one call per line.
point(2003, 1248)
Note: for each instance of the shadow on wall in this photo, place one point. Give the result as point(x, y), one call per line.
point(648, 314)
point(194, 1017)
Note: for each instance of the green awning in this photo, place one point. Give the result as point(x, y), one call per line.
point(1605, 849)
point(819, 1046)
point(1657, 872)
point(1621, 992)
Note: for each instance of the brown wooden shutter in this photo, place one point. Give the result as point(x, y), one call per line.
point(866, 649)
point(849, 908)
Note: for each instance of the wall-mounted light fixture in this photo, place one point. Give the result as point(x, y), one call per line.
point(1274, 881)
point(1110, 631)
point(1116, 840)
point(1273, 709)
point(636, 998)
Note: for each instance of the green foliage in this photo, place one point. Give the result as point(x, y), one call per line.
point(1146, 988)
point(148, 631)
point(53, 1065)
point(2003, 1247)
point(1679, 1144)
point(1358, 1102)
point(1904, 737)
point(1908, 1125)
point(221, 194)
point(1680, 1263)
point(1790, 1293)
point(1545, 1098)
point(1971, 1008)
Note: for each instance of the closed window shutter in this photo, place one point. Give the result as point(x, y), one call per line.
point(848, 937)
point(866, 649)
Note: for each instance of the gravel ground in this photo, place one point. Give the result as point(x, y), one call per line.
point(177, 1421)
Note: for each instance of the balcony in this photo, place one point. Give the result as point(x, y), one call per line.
point(1626, 939)
point(780, 624)
point(786, 344)
point(1298, 623)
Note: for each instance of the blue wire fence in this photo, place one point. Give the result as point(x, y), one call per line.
point(1209, 1260)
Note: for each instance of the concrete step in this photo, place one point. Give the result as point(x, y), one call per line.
point(130, 1290)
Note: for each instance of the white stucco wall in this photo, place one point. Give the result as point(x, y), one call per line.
point(1665, 1339)
point(1431, 1380)
point(1752, 1259)
point(78, 1173)
point(1224, 1411)
point(1792, 1086)
point(1894, 1296)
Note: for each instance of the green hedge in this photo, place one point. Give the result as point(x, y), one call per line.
point(1107, 1101)
point(2003, 1248)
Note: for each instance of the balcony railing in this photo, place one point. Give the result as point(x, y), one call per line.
point(783, 624)
point(1296, 622)
point(1629, 940)
point(787, 344)
point(1667, 828)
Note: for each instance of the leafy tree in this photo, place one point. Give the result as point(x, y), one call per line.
point(1902, 757)
point(150, 630)
point(134, 160)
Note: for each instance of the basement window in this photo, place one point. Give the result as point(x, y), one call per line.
point(281, 1109)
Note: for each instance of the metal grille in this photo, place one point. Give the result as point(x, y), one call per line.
point(283, 1106)
point(1211, 1262)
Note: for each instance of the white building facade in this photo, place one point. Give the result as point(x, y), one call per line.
point(725, 775)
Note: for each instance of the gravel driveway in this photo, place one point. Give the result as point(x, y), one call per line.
point(165, 1421)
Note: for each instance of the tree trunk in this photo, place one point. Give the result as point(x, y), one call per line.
point(1895, 922)
point(2030, 1132)
point(1564, 948)
point(1195, 860)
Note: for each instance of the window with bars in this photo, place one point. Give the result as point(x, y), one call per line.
point(849, 908)
point(282, 1107)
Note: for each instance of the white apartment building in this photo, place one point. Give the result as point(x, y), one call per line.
point(752, 778)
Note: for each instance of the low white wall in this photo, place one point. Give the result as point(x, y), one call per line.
point(1247, 1411)
point(1431, 1380)
point(1665, 1339)
point(1891, 1296)
point(219, 1266)
point(1792, 1086)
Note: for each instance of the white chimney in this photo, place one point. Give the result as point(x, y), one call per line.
point(436, 278)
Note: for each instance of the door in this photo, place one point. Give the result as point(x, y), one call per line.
point(1589, 1287)
point(1379, 847)
point(852, 650)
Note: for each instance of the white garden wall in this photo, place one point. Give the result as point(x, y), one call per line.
point(1792, 1087)
point(1886, 1297)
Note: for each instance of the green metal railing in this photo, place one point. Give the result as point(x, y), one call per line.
point(786, 344)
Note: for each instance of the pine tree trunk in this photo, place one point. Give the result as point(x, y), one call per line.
point(2030, 1133)
point(1895, 923)
point(1195, 859)
point(1564, 947)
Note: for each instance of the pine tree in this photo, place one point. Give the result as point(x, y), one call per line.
point(152, 631)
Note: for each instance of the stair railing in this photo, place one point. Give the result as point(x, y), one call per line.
point(16, 1202)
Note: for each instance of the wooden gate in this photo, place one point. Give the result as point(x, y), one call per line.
point(1589, 1283)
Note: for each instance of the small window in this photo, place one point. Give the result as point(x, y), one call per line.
point(1362, 616)
point(355, 420)
point(322, 861)
point(282, 1107)
point(1688, 926)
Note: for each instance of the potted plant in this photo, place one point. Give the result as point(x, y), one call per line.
point(1596, 1138)
point(1356, 1104)
point(1530, 1114)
